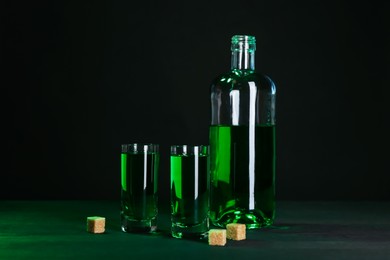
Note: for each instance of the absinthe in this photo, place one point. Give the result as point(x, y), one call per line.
point(139, 186)
point(242, 175)
point(189, 193)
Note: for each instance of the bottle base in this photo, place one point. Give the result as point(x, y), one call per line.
point(252, 220)
point(129, 225)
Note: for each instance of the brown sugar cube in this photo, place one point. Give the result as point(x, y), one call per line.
point(96, 224)
point(236, 231)
point(217, 237)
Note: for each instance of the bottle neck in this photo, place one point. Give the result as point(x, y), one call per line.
point(243, 52)
point(243, 59)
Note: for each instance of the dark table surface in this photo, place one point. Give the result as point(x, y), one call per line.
point(311, 230)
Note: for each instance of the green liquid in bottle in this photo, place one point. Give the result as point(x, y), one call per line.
point(242, 165)
point(189, 194)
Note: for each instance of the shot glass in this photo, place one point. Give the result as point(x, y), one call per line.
point(189, 191)
point(139, 176)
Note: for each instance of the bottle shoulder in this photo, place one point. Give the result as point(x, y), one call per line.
point(240, 78)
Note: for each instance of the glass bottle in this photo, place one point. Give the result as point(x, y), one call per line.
point(242, 142)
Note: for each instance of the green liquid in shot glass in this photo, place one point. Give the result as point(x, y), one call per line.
point(189, 193)
point(139, 187)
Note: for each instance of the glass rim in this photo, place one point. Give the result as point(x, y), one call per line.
point(185, 149)
point(140, 148)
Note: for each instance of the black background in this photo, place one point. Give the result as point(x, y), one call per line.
point(79, 78)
